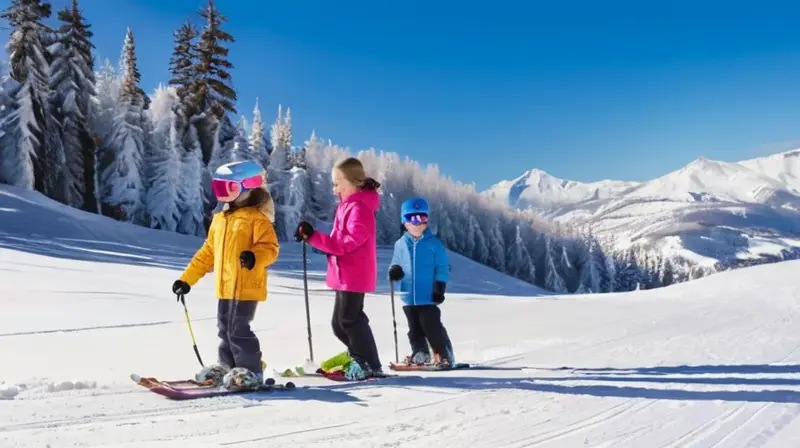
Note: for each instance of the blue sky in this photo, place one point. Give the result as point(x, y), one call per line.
point(585, 91)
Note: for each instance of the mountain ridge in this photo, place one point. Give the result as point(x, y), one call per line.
point(714, 213)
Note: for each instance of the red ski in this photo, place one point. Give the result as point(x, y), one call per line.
point(191, 389)
point(403, 367)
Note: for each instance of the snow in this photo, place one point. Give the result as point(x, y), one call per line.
point(710, 362)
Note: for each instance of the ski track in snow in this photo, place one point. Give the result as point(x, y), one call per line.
point(710, 363)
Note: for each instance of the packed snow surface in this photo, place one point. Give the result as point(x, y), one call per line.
point(86, 301)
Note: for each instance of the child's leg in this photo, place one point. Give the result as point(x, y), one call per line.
point(430, 317)
point(336, 320)
point(225, 354)
point(355, 324)
point(244, 343)
point(416, 334)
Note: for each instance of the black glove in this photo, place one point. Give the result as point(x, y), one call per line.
point(247, 259)
point(396, 273)
point(181, 287)
point(304, 231)
point(438, 291)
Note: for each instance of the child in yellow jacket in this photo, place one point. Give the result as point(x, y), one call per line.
point(241, 244)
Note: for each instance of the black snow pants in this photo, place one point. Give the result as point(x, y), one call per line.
point(351, 326)
point(424, 327)
point(239, 346)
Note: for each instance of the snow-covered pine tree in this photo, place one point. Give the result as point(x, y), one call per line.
point(281, 141)
point(9, 131)
point(239, 143)
point(29, 68)
point(628, 274)
point(666, 272)
point(163, 161)
point(122, 183)
point(320, 200)
point(75, 36)
point(518, 261)
point(568, 270)
point(102, 122)
point(496, 245)
point(278, 171)
point(192, 187)
point(73, 89)
point(294, 207)
point(258, 141)
point(552, 278)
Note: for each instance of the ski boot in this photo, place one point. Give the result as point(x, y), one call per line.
point(359, 369)
point(440, 361)
point(240, 378)
point(212, 375)
point(418, 359)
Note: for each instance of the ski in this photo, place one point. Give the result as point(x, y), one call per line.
point(338, 375)
point(191, 389)
point(402, 367)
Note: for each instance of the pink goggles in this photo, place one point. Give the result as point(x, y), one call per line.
point(228, 190)
point(417, 219)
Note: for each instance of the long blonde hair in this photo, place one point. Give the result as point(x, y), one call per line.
point(353, 170)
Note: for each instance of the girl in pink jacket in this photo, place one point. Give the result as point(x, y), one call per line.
point(352, 263)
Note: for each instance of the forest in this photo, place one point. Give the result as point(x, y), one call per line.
point(87, 135)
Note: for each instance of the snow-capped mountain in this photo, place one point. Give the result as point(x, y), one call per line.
point(709, 212)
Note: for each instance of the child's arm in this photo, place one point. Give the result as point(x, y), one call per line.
point(441, 273)
point(265, 244)
point(396, 266)
point(202, 262)
point(441, 264)
point(340, 243)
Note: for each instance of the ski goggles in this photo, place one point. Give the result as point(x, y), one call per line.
point(228, 190)
point(417, 219)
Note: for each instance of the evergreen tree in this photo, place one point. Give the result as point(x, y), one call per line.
point(553, 280)
point(214, 91)
point(123, 187)
point(102, 123)
point(183, 66)
point(163, 162)
point(519, 262)
point(281, 139)
point(72, 81)
point(259, 144)
point(29, 68)
point(191, 187)
point(9, 131)
point(241, 147)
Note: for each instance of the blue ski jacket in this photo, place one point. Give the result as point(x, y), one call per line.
point(424, 261)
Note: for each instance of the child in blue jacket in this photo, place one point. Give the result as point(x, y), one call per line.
point(421, 266)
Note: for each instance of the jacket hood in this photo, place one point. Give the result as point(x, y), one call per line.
point(261, 200)
point(368, 197)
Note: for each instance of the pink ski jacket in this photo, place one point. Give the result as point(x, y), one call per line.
point(351, 246)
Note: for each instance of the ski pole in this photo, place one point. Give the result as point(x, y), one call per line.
point(308, 312)
point(191, 333)
point(394, 323)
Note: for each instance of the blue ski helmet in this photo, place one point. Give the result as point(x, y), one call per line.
point(231, 179)
point(413, 206)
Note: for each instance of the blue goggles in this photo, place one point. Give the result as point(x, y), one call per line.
point(417, 219)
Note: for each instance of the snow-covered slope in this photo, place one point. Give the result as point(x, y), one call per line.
point(707, 363)
point(707, 212)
